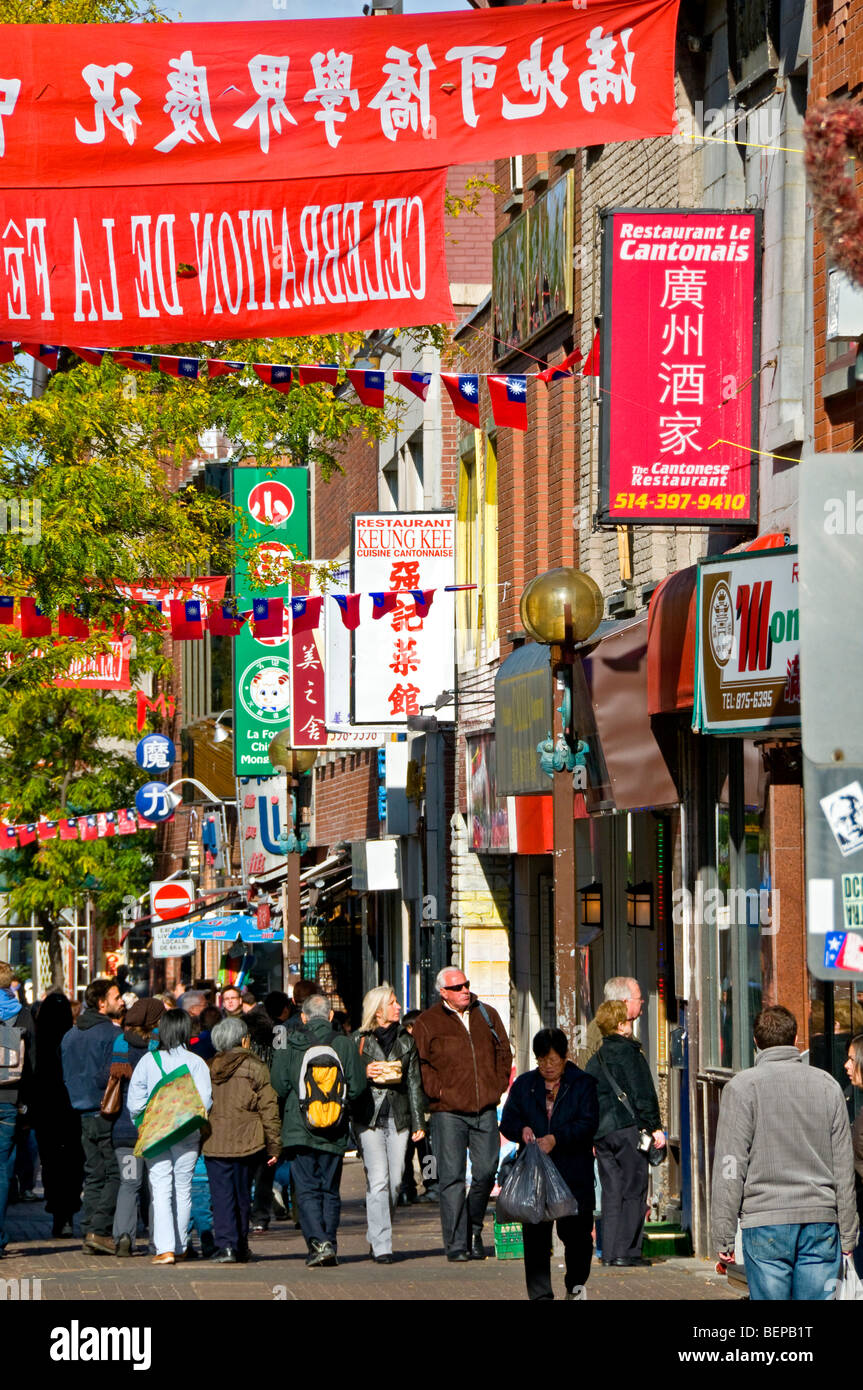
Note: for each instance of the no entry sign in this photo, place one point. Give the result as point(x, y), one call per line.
point(171, 900)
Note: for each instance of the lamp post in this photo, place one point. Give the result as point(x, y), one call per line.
point(559, 608)
point(297, 763)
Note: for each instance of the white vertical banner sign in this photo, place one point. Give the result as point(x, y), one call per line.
point(403, 659)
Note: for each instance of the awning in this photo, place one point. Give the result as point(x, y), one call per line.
point(671, 644)
point(616, 674)
point(522, 719)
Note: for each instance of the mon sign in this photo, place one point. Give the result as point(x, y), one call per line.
point(747, 659)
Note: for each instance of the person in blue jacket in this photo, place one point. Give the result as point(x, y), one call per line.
point(556, 1107)
point(139, 1034)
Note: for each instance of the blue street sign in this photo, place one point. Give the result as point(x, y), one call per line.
point(229, 928)
point(155, 753)
point(153, 803)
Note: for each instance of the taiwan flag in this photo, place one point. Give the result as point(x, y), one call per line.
point(217, 366)
point(7, 610)
point(591, 366)
point(47, 830)
point(562, 371)
point(369, 386)
point(463, 391)
point(26, 834)
point(185, 368)
point(92, 355)
point(423, 599)
point(126, 823)
point(8, 837)
point(89, 827)
point(46, 353)
point(417, 382)
point(349, 607)
point(187, 621)
point(310, 376)
point(306, 614)
point(70, 624)
point(34, 623)
point(384, 603)
point(105, 824)
point(280, 378)
point(135, 361)
point(222, 622)
point(509, 401)
point(268, 617)
point(69, 828)
point(7, 352)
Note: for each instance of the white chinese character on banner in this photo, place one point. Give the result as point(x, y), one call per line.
point(676, 433)
point(539, 82)
point(310, 659)
point(404, 92)
point(684, 286)
point(270, 80)
point(122, 114)
point(10, 89)
point(188, 101)
point(684, 380)
point(477, 70)
point(332, 75)
point(686, 330)
point(603, 82)
point(313, 727)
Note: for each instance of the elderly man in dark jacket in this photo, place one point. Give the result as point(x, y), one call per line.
point(86, 1050)
point(466, 1063)
point(316, 1157)
point(628, 1105)
point(556, 1107)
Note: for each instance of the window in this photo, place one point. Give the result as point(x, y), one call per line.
point(516, 173)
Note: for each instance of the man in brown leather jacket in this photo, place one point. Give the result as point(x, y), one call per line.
point(466, 1064)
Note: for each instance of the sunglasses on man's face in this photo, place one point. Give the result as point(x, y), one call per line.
point(463, 984)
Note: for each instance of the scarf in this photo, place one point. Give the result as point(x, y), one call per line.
point(10, 1005)
point(387, 1037)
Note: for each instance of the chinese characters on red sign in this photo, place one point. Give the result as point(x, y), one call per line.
point(130, 104)
point(678, 407)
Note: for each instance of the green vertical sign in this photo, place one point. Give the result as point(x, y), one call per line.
point(275, 505)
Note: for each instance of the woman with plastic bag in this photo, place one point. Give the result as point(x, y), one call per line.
point(555, 1107)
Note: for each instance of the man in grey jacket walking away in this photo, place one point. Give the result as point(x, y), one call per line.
point(784, 1165)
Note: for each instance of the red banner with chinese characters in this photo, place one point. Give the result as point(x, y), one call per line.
point(178, 264)
point(679, 412)
point(104, 671)
point(130, 104)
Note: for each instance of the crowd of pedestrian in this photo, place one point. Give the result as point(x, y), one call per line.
point(162, 1117)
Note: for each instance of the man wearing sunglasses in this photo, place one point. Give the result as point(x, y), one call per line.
point(466, 1064)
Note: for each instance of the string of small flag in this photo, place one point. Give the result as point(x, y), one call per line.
point(99, 826)
point(190, 618)
point(507, 391)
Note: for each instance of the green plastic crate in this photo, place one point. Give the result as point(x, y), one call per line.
point(661, 1238)
point(508, 1242)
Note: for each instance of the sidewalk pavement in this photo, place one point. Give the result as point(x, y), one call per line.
point(277, 1271)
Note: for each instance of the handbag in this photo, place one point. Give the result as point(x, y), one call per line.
point(655, 1155)
point(112, 1097)
point(174, 1110)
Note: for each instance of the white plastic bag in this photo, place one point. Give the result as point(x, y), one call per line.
point(850, 1286)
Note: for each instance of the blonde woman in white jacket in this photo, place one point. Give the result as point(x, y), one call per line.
point(171, 1172)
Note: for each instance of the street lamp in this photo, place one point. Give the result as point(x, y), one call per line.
point(220, 733)
point(559, 608)
point(639, 905)
point(297, 763)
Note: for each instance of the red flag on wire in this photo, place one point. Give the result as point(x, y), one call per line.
point(369, 386)
point(417, 382)
point(423, 599)
point(43, 352)
point(509, 401)
point(69, 828)
point(69, 624)
point(92, 355)
point(217, 366)
point(561, 371)
point(309, 376)
point(187, 621)
point(222, 622)
point(463, 391)
point(349, 607)
point(34, 623)
point(305, 614)
point(384, 603)
point(280, 378)
point(135, 361)
point(268, 617)
point(184, 368)
point(7, 610)
point(7, 352)
point(591, 366)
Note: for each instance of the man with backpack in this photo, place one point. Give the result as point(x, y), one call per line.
point(17, 1057)
point(466, 1063)
point(86, 1051)
point(319, 1072)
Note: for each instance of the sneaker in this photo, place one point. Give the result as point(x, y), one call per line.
point(99, 1245)
point(124, 1247)
point(322, 1255)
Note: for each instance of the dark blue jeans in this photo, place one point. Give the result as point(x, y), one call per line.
point(231, 1193)
point(8, 1123)
point(797, 1262)
point(317, 1178)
